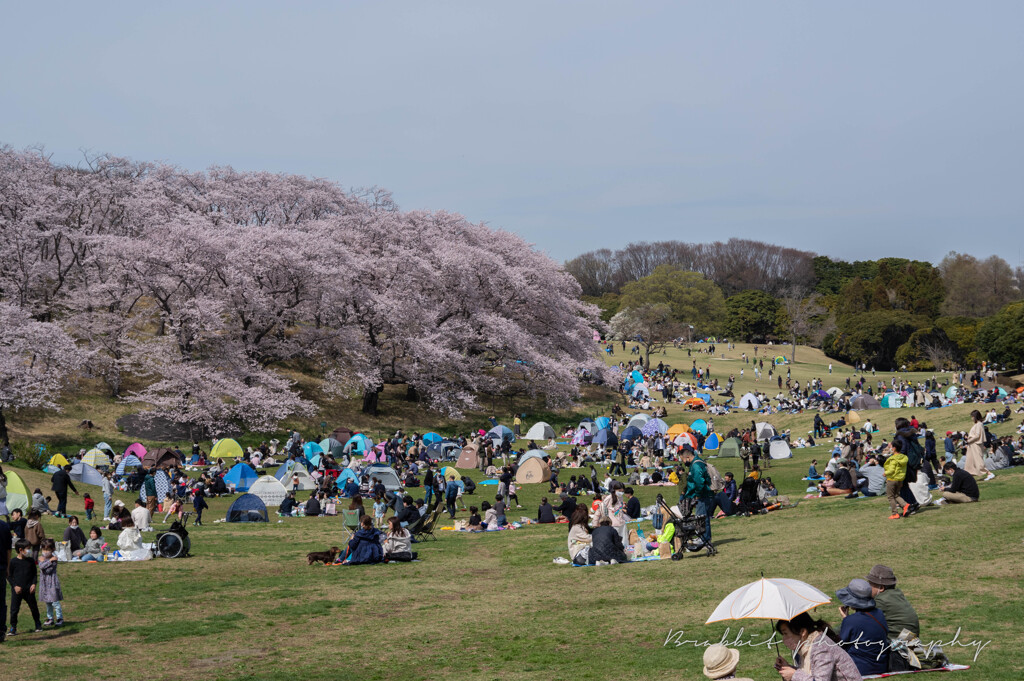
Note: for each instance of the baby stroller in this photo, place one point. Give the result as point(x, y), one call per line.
point(689, 530)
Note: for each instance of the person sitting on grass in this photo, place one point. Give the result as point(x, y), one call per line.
point(397, 543)
point(864, 632)
point(365, 547)
point(606, 545)
point(490, 516)
point(94, 546)
point(816, 655)
point(962, 488)
point(74, 536)
point(130, 538)
point(566, 508)
point(579, 536)
point(475, 522)
point(545, 514)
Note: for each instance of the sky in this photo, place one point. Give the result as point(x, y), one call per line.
point(857, 130)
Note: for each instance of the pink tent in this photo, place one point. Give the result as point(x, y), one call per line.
point(375, 455)
point(137, 449)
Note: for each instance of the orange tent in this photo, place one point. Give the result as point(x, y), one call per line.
point(677, 429)
point(694, 403)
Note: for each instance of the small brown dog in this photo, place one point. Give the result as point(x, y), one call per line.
point(325, 557)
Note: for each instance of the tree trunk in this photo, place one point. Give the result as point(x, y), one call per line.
point(411, 394)
point(647, 357)
point(3, 429)
point(793, 359)
point(370, 400)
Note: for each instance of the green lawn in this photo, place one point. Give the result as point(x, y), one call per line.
point(493, 606)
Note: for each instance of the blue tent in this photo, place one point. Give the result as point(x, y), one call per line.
point(606, 437)
point(637, 376)
point(632, 433)
point(358, 443)
point(431, 438)
point(699, 426)
point(242, 475)
point(712, 443)
point(501, 433)
point(603, 421)
point(345, 474)
point(130, 461)
point(705, 396)
point(311, 449)
point(247, 508)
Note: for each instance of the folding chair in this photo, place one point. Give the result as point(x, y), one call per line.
point(426, 528)
point(350, 522)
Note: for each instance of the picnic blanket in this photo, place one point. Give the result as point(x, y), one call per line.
point(634, 560)
point(947, 668)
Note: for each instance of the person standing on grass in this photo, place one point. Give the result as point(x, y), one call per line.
point(698, 489)
point(6, 538)
point(60, 483)
point(49, 585)
point(108, 494)
point(974, 463)
point(22, 573)
point(149, 484)
point(198, 504)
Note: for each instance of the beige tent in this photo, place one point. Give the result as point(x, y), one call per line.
point(468, 457)
point(534, 470)
point(853, 417)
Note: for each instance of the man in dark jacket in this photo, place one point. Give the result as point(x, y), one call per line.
point(60, 482)
point(906, 434)
point(5, 557)
point(149, 486)
point(632, 504)
point(962, 489)
point(606, 544)
point(567, 506)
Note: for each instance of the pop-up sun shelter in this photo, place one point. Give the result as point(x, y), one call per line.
point(285, 474)
point(533, 470)
point(358, 444)
point(17, 494)
point(540, 431)
point(226, 448)
point(96, 458)
point(731, 447)
point(750, 402)
point(468, 457)
point(779, 449)
point(386, 474)
point(765, 431)
point(83, 472)
point(269, 489)
point(242, 475)
point(248, 508)
point(129, 461)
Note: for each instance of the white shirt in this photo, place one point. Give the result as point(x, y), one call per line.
point(140, 516)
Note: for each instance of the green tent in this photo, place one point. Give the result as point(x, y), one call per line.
point(730, 447)
point(16, 494)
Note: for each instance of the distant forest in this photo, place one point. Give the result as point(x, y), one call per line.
point(890, 312)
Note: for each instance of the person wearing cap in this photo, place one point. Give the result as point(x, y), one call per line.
point(899, 614)
point(948, 446)
point(720, 663)
point(864, 632)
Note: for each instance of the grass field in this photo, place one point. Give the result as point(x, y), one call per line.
point(494, 606)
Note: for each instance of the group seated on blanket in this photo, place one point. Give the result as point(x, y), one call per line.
point(753, 496)
point(369, 545)
point(602, 545)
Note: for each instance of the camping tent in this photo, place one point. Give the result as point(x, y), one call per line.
point(386, 474)
point(311, 449)
point(226, 448)
point(532, 454)
point(712, 443)
point(836, 393)
point(642, 418)
point(58, 460)
point(163, 486)
point(534, 470)
point(631, 434)
point(583, 436)
point(160, 458)
point(606, 438)
point(104, 447)
point(589, 424)
point(636, 376)
point(892, 400)
point(780, 360)
point(269, 489)
point(286, 472)
point(852, 417)
point(695, 403)
point(242, 475)
point(346, 474)
point(468, 457)
point(358, 444)
point(96, 458)
point(431, 438)
point(136, 449)
point(540, 431)
point(329, 444)
point(731, 447)
point(750, 402)
point(17, 494)
point(342, 434)
point(130, 461)
point(699, 426)
point(83, 472)
point(862, 402)
point(686, 439)
point(765, 430)
point(248, 508)
point(641, 391)
point(678, 429)
point(654, 427)
point(376, 454)
point(501, 434)
point(779, 449)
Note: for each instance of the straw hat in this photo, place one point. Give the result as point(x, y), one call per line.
point(720, 661)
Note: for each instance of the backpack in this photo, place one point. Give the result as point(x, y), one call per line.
point(715, 481)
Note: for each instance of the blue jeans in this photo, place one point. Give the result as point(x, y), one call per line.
point(108, 504)
point(89, 556)
point(704, 508)
point(428, 494)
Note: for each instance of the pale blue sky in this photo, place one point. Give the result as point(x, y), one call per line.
point(855, 129)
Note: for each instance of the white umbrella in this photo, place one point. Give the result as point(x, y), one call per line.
point(769, 599)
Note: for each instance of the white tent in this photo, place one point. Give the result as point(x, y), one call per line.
point(269, 489)
point(641, 389)
point(779, 449)
point(638, 421)
point(540, 431)
point(836, 393)
point(386, 474)
point(765, 431)
point(286, 473)
point(750, 401)
point(83, 472)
